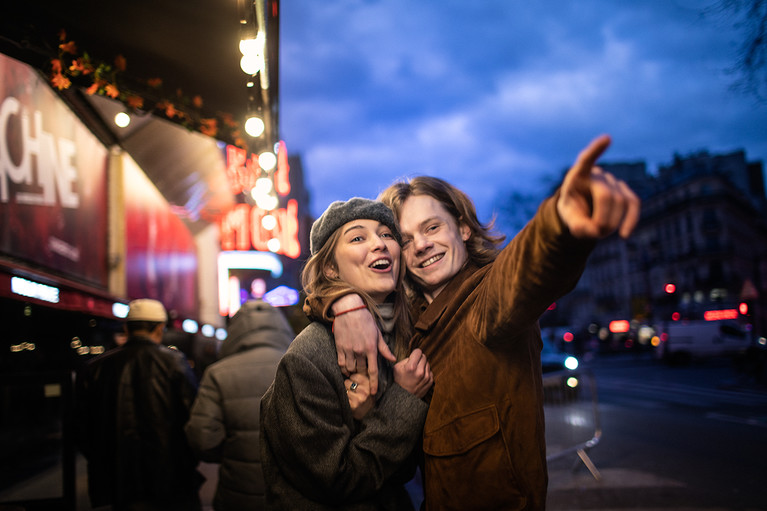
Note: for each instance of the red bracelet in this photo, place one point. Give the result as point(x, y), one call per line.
point(333, 323)
point(351, 310)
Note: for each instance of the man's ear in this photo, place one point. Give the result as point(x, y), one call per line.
point(465, 231)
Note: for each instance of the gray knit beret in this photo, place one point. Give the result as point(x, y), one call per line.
point(341, 212)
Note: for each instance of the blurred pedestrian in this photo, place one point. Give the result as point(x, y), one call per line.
point(133, 402)
point(224, 424)
point(326, 442)
point(476, 309)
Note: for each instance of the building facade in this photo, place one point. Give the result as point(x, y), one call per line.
point(700, 245)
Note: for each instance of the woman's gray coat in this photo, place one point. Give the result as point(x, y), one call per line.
point(315, 454)
point(224, 423)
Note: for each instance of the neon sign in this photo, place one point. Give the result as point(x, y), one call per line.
point(242, 228)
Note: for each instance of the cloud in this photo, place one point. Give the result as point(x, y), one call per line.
point(499, 96)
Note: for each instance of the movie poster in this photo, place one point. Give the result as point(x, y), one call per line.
point(53, 210)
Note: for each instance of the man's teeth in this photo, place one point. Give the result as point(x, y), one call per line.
point(431, 261)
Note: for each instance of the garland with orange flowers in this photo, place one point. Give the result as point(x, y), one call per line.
point(71, 66)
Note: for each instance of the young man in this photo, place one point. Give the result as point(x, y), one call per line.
point(476, 310)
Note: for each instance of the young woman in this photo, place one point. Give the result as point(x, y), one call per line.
point(326, 442)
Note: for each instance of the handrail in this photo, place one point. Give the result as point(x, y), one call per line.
point(571, 408)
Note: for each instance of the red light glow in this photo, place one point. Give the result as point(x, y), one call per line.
point(568, 337)
point(619, 326)
point(670, 288)
point(743, 308)
point(720, 314)
point(675, 316)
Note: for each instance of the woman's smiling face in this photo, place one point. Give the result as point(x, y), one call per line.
point(367, 257)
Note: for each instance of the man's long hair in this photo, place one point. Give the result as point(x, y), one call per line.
point(483, 244)
point(322, 288)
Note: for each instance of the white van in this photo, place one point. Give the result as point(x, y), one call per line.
point(681, 341)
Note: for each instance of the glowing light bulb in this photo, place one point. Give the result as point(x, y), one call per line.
point(268, 222)
point(267, 160)
point(122, 120)
point(254, 126)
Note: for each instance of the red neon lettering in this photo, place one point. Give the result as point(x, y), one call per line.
point(234, 228)
point(241, 229)
point(281, 175)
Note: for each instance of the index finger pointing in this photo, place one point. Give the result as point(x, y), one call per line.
point(589, 156)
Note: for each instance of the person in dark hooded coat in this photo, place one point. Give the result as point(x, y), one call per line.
point(224, 423)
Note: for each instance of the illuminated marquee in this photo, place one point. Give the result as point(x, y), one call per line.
point(246, 227)
point(242, 228)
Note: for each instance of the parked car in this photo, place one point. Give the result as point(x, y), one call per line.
point(682, 341)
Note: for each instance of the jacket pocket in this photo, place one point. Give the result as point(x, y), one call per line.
point(468, 466)
point(463, 433)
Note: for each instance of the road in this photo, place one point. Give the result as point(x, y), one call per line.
point(678, 438)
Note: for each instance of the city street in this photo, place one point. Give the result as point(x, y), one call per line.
point(689, 437)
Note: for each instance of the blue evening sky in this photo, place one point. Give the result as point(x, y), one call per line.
point(499, 96)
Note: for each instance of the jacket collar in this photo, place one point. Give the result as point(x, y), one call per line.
point(429, 313)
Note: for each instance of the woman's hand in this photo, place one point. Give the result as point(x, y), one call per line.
point(358, 392)
point(414, 374)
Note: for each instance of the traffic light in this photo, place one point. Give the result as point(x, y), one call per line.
point(743, 308)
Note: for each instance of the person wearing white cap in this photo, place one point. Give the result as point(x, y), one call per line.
point(326, 442)
point(133, 402)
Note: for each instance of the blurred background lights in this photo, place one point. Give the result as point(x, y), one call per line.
point(268, 222)
point(267, 160)
point(266, 202)
point(190, 326)
point(122, 120)
point(273, 245)
point(263, 185)
point(120, 310)
point(208, 330)
point(254, 126)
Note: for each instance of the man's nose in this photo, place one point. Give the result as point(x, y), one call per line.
point(421, 243)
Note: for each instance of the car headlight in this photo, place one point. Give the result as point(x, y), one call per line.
point(571, 363)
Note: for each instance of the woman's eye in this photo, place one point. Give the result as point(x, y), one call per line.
point(387, 235)
point(356, 238)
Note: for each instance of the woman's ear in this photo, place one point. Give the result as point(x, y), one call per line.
point(330, 272)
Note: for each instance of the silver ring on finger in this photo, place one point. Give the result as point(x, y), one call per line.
point(353, 386)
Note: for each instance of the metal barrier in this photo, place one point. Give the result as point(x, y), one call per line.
point(571, 408)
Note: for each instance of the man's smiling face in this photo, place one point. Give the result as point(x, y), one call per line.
point(433, 243)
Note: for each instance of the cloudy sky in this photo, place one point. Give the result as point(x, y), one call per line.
point(498, 96)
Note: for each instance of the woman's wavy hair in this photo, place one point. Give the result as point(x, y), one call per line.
point(483, 244)
point(320, 287)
